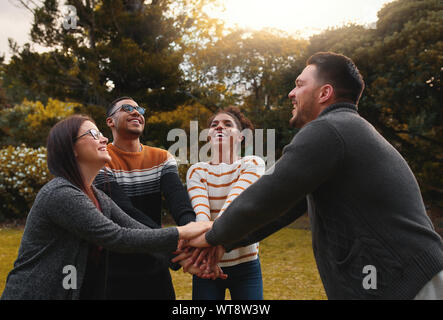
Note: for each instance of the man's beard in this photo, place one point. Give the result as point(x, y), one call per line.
point(303, 115)
point(293, 121)
point(129, 133)
point(296, 121)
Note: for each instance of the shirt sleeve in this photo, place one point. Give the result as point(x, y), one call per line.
point(258, 235)
point(251, 170)
point(69, 208)
point(106, 182)
point(177, 199)
point(198, 193)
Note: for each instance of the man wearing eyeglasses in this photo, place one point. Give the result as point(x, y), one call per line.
point(136, 179)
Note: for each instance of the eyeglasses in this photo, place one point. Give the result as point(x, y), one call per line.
point(128, 108)
point(94, 133)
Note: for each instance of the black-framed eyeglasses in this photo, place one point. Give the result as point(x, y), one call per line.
point(129, 108)
point(94, 133)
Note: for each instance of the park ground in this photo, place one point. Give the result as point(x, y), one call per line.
point(287, 261)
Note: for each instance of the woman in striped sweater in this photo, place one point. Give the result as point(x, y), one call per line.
point(212, 186)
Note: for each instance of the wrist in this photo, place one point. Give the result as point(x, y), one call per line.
point(181, 232)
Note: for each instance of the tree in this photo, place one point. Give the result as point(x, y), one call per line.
point(248, 68)
point(119, 47)
point(29, 122)
point(403, 95)
point(400, 61)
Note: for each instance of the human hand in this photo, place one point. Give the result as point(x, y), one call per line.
point(193, 256)
point(182, 253)
point(211, 263)
point(203, 272)
point(201, 262)
point(199, 241)
point(193, 229)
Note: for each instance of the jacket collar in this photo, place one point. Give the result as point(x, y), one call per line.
point(338, 105)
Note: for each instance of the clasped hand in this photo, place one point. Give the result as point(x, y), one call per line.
point(195, 255)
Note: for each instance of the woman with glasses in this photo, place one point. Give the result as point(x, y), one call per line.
point(72, 224)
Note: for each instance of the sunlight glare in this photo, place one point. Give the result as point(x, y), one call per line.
point(295, 16)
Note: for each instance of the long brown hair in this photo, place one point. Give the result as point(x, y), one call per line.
point(60, 150)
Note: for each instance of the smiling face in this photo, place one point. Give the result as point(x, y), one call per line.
point(87, 150)
point(223, 130)
point(305, 98)
point(126, 123)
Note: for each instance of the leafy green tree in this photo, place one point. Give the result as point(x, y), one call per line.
point(249, 68)
point(401, 62)
point(29, 122)
point(403, 96)
point(118, 47)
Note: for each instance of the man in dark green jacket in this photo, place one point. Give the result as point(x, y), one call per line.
point(371, 236)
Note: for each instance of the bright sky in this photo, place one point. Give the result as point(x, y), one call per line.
point(303, 16)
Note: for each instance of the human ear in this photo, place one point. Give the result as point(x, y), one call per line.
point(326, 93)
point(110, 122)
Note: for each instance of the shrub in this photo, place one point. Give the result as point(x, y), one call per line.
point(30, 122)
point(23, 171)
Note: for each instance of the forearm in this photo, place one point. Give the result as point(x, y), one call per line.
point(248, 213)
point(312, 157)
point(272, 227)
point(141, 240)
point(177, 199)
point(70, 209)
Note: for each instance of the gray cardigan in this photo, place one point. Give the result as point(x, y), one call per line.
point(364, 205)
point(60, 226)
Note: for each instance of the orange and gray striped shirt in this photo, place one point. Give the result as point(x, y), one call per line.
point(212, 188)
point(145, 177)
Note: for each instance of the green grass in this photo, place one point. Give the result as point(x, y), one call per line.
point(288, 266)
point(9, 243)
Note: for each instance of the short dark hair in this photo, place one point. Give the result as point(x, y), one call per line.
point(341, 73)
point(61, 159)
point(113, 103)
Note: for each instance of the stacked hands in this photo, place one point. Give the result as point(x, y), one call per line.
point(195, 255)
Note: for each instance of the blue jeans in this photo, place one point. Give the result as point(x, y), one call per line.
point(244, 283)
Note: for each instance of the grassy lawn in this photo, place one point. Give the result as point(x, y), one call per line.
point(288, 266)
point(9, 243)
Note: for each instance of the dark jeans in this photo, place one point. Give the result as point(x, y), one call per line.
point(244, 283)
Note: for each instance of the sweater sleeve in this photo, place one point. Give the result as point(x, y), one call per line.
point(198, 193)
point(106, 183)
point(69, 208)
point(258, 235)
point(130, 222)
point(311, 158)
point(176, 197)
